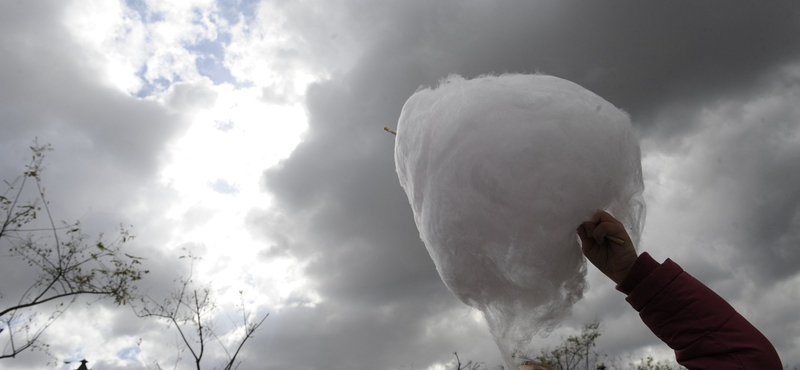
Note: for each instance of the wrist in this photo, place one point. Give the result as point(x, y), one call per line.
point(620, 276)
point(638, 271)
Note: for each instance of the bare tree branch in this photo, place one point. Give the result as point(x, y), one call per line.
point(191, 309)
point(68, 266)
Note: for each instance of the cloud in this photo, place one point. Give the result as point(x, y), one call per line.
point(339, 335)
point(50, 92)
point(187, 97)
point(340, 208)
point(341, 268)
point(108, 149)
point(736, 169)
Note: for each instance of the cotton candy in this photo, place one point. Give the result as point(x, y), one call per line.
point(499, 172)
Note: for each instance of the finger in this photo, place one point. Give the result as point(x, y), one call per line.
point(604, 229)
point(589, 227)
point(603, 216)
point(585, 240)
point(600, 231)
point(596, 217)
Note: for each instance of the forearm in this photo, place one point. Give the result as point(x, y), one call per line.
point(702, 328)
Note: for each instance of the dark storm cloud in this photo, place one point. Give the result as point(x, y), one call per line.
point(643, 57)
point(339, 186)
point(379, 246)
point(358, 336)
point(338, 201)
point(748, 175)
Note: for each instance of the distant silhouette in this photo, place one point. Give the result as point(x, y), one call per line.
point(83, 365)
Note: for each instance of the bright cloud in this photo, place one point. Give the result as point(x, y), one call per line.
point(153, 50)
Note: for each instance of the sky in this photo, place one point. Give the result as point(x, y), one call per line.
point(250, 134)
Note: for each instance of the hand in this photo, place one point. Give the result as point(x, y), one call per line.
point(610, 258)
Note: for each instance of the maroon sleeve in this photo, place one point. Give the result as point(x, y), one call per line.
point(702, 328)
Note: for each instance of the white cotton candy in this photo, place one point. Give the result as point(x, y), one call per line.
point(500, 171)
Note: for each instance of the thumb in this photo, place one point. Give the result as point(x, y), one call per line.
point(602, 230)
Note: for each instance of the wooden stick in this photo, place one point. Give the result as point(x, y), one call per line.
point(393, 132)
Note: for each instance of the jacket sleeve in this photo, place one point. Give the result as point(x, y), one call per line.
point(702, 328)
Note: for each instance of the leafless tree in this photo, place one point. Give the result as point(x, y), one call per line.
point(470, 365)
point(191, 310)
